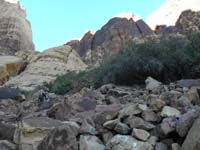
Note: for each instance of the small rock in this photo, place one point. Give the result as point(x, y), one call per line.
point(133, 109)
point(88, 142)
point(176, 146)
point(140, 134)
point(150, 116)
point(193, 96)
point(152, 140)
point(161, 146)
point(168, 125)
point(122, 128)
point(152, 84)
point(86, 128)
point(156, 104)
point(170, 112)
point(111, 124)
point(136, 122)
point(107, 136)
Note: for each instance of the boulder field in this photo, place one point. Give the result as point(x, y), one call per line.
point(155, 117)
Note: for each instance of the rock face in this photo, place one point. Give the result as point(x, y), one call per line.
point(15, 30)
point(110, 38)
point(189, 21)
point(170, 11)
point(193, 137)
point(9, 66)
point(46, 66)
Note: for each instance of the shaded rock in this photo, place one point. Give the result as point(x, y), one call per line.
point(150, 116)
point(123, 142)
point(185, 122)
point(111, 124)
point(106, 112)
point(140, 134)
point(15, 31)
point(168, 125)
point(152, 84)
point(46, 66)
point(88, 142)
point(136, 122)
point(161, 146)
point(4, 76)
point(152, 140)
point(9, 93)
point(107, 136)
point(156, 104)
point(6, 145)
point(193, 96)
point(132, 109)
point(122, 128)
point(62, 137)
point(189, 83)
point(7, 131)
point(192, 140)
point(170, 112)
point(176, 146)
point(86, 128)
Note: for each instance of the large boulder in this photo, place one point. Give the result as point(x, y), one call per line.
point(46, 66)
point(9, 66)
point(32, 131)
point(192, 140)
point(15, 30)
point(61, 138)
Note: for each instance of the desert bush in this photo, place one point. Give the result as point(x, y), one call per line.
point(166, 59)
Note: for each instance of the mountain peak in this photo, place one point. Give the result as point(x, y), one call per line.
point(170, 11)
point(129, 16)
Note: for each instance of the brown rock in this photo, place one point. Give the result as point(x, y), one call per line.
point(62, 137)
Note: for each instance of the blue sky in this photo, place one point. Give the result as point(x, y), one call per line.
point(55, 22)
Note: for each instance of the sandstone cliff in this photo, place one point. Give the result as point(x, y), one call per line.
point(46, 66)
point(15, 30)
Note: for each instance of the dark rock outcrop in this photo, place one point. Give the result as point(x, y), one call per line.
point(110, 38)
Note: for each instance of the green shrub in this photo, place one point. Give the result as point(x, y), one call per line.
point(167, 59)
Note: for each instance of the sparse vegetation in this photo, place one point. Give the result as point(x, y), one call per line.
point(167, 60)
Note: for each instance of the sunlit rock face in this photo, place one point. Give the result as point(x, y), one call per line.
point(170, 11)
point(15, 30)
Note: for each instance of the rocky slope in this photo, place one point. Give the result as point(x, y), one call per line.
point(155, 117)
point(15, 30)
point(97, 47)
point(169, 12)
point(46, 66)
